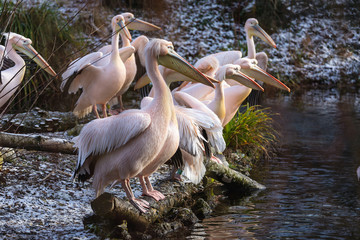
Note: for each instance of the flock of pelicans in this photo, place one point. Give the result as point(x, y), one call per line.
point(184, 125)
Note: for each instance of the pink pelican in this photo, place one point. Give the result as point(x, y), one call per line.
point(136, 142)
point(139, 43)
point(99, 83)
point(13, 66)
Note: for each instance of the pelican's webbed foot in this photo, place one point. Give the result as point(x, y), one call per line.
point(140, 204)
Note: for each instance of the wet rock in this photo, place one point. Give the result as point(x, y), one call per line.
point(201, 208)
point(164, 228)
point(183, 215)
point(120, 231)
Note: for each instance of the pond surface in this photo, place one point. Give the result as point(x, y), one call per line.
point(312, 188)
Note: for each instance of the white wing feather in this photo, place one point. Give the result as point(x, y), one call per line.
point(194, 168)
point(190, 136)
point(97, 137)
point(76, 66)
point(214, 133)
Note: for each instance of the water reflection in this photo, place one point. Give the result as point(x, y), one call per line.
point(312, 187)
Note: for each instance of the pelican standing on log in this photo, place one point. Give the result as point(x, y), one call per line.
point(136, 142)
point(99, 83)
point(13, 66)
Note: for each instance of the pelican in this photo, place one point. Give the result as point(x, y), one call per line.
point(99, 83)
point(234, 93)
point(139, 43)
point(136, 142)
point(13, 66)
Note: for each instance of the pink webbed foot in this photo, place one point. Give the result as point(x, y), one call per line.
point(215, 159)
point(140, 204)
point(116, 111)
point(155, 195)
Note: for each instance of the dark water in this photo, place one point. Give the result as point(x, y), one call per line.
point(312, 188)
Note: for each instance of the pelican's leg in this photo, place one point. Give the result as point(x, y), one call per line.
point(153, 193)
point(174, 175)
point(121, 108)
point(118, 110)
point(146, 191)
point(138, 204)
point(95, 111)
point(104, 110)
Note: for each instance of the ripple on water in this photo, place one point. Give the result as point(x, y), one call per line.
point(312, 188)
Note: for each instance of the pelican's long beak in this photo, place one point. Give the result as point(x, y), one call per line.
point(125, 30)
point(141, 82)
point(137, 24)
point(173, 77)
point(34, 55)
point(174, 61)
point(261, 75)
point(259, 32)
point(245, 80)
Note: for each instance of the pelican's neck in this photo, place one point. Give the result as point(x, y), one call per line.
point(160, 89)
point(115, 46)
point(19, 67)
point(12, 54)
point(250, 46)
point(219, 92)
point(125, 41)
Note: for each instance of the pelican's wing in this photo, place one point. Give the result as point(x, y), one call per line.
point(139, 43)
point(194, 168)
point(262, 60)
point(145, 101)
point(105, 49)
point(126, 52)
point(7, 63)
point(106, 134)
point(227, 57)
point(214, 133)
point(69, 77)
point(189, 122)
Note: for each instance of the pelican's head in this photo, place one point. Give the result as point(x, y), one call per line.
point(133, 23)
point(23, 45)
point(118, 24)
point(232, 71)
point(164, 52)
point(253, 29)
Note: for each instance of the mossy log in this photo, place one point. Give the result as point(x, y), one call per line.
point(232, 178)
point(36, 142)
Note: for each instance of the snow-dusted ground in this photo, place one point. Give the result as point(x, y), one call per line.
point(321, 44)
point(37, 203)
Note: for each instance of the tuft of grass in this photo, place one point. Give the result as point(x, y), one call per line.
point(51, 36)
point(251, 132)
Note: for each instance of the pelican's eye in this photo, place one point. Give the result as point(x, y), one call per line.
point(171, 47)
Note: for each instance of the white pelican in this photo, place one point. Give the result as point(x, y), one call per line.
point(13, 66)
point(139, 43)
point(136, 142)
point(99, 83)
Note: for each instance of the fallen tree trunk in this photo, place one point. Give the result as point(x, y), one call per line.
point(36, 142)
point(232, 178)
point(115, 211)
point(110, 211)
